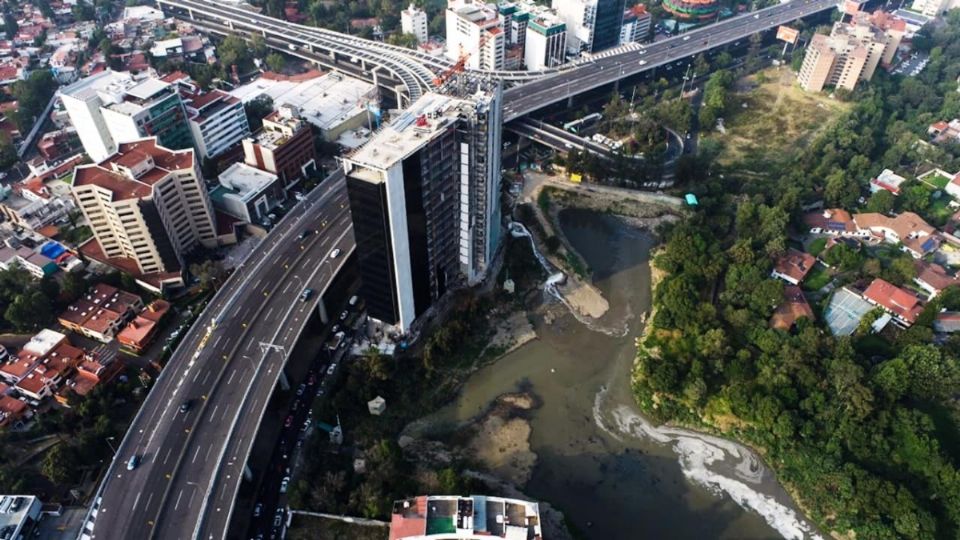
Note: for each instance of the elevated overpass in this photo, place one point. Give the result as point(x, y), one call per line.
point(192, 463)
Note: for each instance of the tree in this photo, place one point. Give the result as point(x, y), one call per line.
point(881, 202)
point(8, 152)
point(58, 464)
point(10, 25)
point(72, 287)
point(234, 51)
point(30, 310)
point(209, 273)
point(258, 45)
point(275, 62)
point(403, 40)
point(258, 109)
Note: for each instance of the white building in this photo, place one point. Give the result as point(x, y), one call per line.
point(413, 20)
point(580, 16)
point(545, 42)
point(636, 25)
point(111, 107)
point(147, 205)
point(217, 121)
point(934, 8)
point(246, 193)
point(18, 514)
point(475, 30)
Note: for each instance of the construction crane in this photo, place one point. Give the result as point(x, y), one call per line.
point(461, 62)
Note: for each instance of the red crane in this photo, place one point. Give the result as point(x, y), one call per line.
point(461, 62)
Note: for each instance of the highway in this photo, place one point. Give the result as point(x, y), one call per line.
point(191, 463)
point(524, 99)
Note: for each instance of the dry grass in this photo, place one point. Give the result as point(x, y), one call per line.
point(779, 118)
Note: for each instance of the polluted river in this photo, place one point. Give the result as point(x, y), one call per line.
point(613, 474)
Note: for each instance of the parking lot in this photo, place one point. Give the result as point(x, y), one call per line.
point(913, 65)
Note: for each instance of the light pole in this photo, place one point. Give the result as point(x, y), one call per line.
point(108, 439)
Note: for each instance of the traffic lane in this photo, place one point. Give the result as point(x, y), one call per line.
point(249, 422)
point(227, 396)
point(160, 420)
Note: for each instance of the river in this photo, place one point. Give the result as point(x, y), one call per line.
point(612, 474)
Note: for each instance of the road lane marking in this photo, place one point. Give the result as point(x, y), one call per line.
point(206, 457)
point(269, 312)
point(147, 506)
point(177, 504)
point(195, 454)
point(217, 341)
point(205, 377)
point(169, 450)
point(230, 380)
point(214, 412)
point(136, 501)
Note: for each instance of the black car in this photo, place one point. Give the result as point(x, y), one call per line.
point(305, 233)
point(185, 406)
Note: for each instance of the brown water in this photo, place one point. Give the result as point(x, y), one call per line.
point(610, 484)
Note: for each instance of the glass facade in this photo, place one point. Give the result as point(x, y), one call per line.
point(606, 33)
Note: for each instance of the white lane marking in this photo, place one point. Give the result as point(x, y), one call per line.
point(205, 377)
point(230, 380)
point(136, 501)
point(196, 376)
point(269, 312)
point(150, 498)
point(206, 457)
point(177, 504)
point(287, 288)
point(165, 458)
point(195, 454)
point(215, 407)
point(217, 341)
point(224, 415)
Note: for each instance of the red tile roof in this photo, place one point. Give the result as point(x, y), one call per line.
point(793, 308)
point(894, 299)
point(130, 154)
point(794, 264)
point(935, 276)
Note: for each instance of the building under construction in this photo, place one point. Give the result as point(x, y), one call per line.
point(424, 196)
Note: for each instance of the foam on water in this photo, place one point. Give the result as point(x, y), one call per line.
point(696, 453)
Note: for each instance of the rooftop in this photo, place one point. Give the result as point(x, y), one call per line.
point(794, 264)
point(453, 517)
point(107, 174)
point(793, 308)
point(246, 181)
point(898, 301)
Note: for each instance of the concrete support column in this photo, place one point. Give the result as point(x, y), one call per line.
point(284, 381)
point(363, 64)
point(247, 473)
point(322, 311)
point(192, 16)
point(230, 25)
point(570, 102)
point(401, 102)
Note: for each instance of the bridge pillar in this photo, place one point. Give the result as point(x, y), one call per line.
point(192, 17)
point(401, 103)
point(322, 311)
point(247, 473)
point(230, 25)
point(570, 102)
point(284, 381)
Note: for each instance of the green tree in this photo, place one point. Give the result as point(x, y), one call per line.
point(210, 273)
point(8, 152)
point(30, 310)
point(403, 40)
point(881, 201)
point(275, 62)
point(58, 464)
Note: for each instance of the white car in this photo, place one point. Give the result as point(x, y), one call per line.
point(335, 253)
point(284, 484)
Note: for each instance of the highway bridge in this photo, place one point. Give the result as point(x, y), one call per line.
point(530, 90)
point(192, 462)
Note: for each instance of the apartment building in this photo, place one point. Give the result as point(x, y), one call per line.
point(636, 25)
point(546, 41)
point(110, 108)
point(934, 8)
point(424, 196)
point(475, 29)
point(413, 20)
point(101, 312)
point(851, 53)
point(217, 121)
point(147, 206)
point(284, 147)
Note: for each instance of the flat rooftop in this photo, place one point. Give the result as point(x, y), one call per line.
point(246, 181)
point(408, 132)
point(325, 101)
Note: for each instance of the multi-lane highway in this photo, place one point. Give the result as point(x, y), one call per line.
point(195, 429)
point(524, 99)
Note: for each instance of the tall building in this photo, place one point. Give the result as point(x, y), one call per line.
point(546, 42)
point(217, 121)
point(934, 8)
point(636, 25)
point(580, 18)
point(851, 53)
point(424, 195)
point(606, 31)
point(147, 205)
point(475, 29)
point(111, 107)
point(413, 20)
point(284, 147)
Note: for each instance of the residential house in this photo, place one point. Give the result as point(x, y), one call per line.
point(834, 222)
point(947, 322)
point(887, 180)
point(31, 354)
point(89, 374)
point(142, 330)
point(45, 379)
point(793, 308)
point(933, 278)
point(793, 266)
point(914, 235)
point(101, 313)
point(903, 305)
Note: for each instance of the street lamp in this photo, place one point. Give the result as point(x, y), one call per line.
point(108, 439)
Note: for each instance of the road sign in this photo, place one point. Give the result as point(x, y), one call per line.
point(790, 35)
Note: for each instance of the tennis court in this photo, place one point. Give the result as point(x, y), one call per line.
point(844, 312)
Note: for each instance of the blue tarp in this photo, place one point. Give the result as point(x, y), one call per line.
point(52, 250)
point(691, 199)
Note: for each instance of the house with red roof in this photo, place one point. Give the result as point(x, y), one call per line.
point(793, 308)
point(933, 278)
point(143, 329)
point(903, 305)
point(793, 266)
point(101, 313)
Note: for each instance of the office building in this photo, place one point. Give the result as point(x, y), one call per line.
point(475, 30)
point(606, 31)
point(636, 25)
point(580, 18)
point(110, 108)
point(148, 207)
point(424, 195)
point(851, 53)
point(284, 147)
point(546, 41)
point(413, 20)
